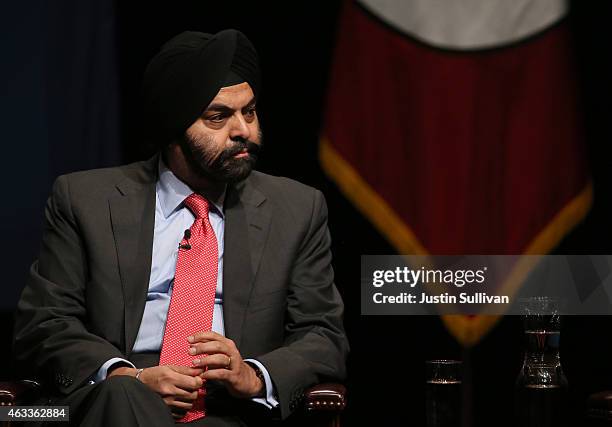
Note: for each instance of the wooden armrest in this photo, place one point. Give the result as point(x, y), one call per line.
point(599, 408)
point(325, 397)
point(14, 392)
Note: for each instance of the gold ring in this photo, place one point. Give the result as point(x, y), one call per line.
point(229, 362)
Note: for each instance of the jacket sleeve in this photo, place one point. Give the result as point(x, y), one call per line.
point(50, 336)
point(315, 347)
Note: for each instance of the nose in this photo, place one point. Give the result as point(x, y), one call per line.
point(239, 127)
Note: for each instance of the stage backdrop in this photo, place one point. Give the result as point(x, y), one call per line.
point(60, 113)
point(454, 127)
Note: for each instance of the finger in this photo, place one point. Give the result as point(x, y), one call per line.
point(178, 405)
point(178, 413)
point(190, 399)
point(217, 374)
point(210, 347)
point(215, 361)
point(186, 370)
point(187, 382)
point(184, 395)
point(204, 336)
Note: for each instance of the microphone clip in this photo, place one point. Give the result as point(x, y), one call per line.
point(186, 237)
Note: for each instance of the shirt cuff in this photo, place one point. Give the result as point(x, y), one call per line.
point(103, 371)
point(269, 401)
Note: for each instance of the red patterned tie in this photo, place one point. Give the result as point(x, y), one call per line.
point(193, 295)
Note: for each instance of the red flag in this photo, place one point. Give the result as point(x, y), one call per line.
point(454, 127)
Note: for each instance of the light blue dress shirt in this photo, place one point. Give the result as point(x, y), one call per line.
point(172, 218)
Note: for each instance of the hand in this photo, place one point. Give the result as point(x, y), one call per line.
point(222, 362)
point(177, 385)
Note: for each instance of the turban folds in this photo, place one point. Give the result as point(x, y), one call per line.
point(188, 72)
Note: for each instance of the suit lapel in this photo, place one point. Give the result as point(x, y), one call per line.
point(133, 220)
point(247, 219)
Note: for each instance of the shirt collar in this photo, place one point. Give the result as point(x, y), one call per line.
point(172, 192)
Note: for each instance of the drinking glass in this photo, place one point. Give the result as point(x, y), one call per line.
point(443, 393)
point(541, 394)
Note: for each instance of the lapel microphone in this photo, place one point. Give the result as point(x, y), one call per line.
point(186, 236)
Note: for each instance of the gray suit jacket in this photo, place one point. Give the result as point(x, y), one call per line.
point(85, 295)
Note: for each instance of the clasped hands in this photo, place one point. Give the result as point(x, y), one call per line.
point(215, 358)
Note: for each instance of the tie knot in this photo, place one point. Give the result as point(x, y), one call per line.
point(198, 205)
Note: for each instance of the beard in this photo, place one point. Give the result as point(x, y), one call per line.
point(220, 167)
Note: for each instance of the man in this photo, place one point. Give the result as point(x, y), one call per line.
point(185, 288)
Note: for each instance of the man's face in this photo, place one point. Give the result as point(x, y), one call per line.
point(223, 143)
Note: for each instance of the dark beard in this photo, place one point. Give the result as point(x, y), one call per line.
point(225, 168)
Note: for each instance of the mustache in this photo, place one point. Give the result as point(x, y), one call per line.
point(241, 145)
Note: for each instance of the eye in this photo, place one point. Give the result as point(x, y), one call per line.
point(217, 118)
point(250, 113)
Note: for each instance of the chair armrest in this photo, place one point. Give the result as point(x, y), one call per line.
point(14, 392)
point(599, 408)
point(325, 397)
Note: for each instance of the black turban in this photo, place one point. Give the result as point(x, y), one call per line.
point(188, 72)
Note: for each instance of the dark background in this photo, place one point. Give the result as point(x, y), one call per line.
point(70, 100)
